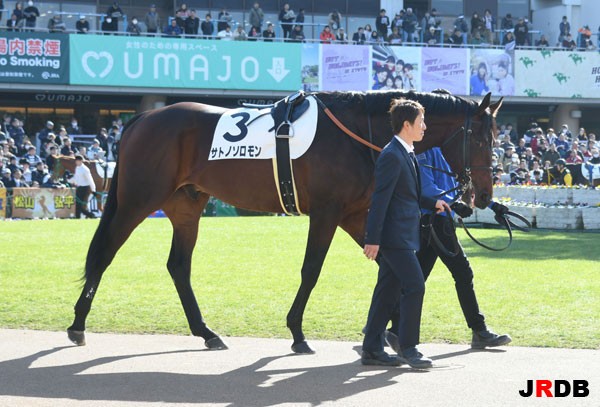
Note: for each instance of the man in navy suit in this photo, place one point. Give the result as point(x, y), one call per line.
point(441, 184)
point(393, 236)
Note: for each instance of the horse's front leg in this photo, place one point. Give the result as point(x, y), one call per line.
point(323, 223)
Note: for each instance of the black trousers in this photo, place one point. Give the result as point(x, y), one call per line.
point(459, 267)
point(400, 281)
point(287, 30)
point(82, 195)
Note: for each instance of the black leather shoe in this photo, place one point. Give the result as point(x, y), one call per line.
point(379, 358)
point(392, 341)
point(414, 358)
point(487, 338)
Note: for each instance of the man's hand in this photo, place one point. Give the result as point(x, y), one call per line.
point(499, 209)
point(371, 251)
point(441, 206)
point(462, 209)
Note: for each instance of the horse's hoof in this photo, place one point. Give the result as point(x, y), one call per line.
point(77, 337)
point(302, 348)
point(215, 344)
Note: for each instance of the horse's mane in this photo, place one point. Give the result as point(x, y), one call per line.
point(439, 102)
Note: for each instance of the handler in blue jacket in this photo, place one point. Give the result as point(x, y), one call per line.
point(435, 183)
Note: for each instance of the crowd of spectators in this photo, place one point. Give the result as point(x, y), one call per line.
point(539, 157)
point(23, 157)
point(407, 26)
point(536, 157)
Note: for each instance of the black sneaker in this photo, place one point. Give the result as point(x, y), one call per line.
point(379, 358)
point(414, 358)
point(488, 339)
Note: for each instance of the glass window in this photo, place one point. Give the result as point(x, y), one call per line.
point(228, 4)
point(448, 7)
point(271, 6)
point(355, 22)
point(296, 5)
point(364, 8)
point(518, 8)
point(330, 5)
point(107, 116)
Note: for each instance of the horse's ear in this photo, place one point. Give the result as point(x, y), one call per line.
point(494, 107)
point(484, 104)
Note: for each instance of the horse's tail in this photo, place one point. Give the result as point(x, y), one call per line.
point(101, 238)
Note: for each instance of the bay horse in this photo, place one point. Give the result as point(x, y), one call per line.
point(163, 164)
point(58, 164)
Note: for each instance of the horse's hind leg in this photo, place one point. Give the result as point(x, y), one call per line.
point(184, 209)
point(323, 223)
point(113, 230)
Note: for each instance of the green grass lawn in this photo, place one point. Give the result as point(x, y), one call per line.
point(544, 290)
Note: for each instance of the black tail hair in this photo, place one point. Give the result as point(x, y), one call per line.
point(99, 240)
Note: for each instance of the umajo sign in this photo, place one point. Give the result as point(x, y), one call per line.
point(184, 63)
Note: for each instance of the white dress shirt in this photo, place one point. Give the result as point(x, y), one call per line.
point(83, 177)
point(409, 149)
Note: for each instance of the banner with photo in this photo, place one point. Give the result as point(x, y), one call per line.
point(492, 70)
point(29, 203)
point(345, 67)
point(310, 67)
point(395, 67)
point(566, 74)
point(34, 57)
point(184, 63)
point(2, 203)
point(445, 68)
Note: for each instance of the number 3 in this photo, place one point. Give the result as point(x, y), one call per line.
point(240, 125)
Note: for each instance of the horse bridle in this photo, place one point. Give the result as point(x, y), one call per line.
point(464, 181)
point(464, 178)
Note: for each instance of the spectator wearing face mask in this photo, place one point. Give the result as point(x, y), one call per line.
point(114, 13)
point(133, 28)
point(31, 13)
point(74, 127)
point(108, 26)
point(595, 156)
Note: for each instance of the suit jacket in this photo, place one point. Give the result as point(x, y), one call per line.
point(395, 213)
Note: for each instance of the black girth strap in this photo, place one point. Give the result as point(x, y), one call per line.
point(284, 175)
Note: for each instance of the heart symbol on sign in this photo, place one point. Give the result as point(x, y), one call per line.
point(97, 56)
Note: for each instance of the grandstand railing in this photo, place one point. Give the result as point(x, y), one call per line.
point(312, 40)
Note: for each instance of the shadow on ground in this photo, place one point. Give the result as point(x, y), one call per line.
point(249, 385)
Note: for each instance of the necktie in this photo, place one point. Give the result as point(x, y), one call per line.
point(414, 161)
point(418, 175)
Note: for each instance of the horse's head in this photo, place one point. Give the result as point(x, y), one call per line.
point(463, 129)
point(58, 164)
point(469, 151)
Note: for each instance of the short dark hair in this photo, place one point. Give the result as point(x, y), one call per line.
point(402, 110)
point(79, 157)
